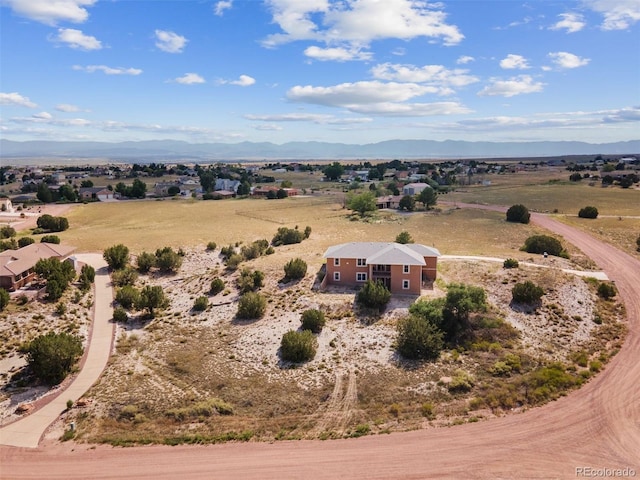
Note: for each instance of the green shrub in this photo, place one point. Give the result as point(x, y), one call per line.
point(233, 261)
point(24, 241)
point(544, 244)
point(52, 356)
point(251, 306)
point(127, 296)
point(287, 236)
point(374, 295)
point(295, 269)
point(313, 320)
point(4, 299)
point(588, 212)
point(120, 315)
point(117, 256)
point(146, 261)
point(510, 263)
point(526, 293)
point(249, 281)
point(606, 290)
point(212, 246)
point(201, 304)
point(217, 285)
point(125, 276)
point(298, 346)
point(50, 239)
point(461, 382)
point(518, 213)
point(167, 260)
point(404, 237)
point(7, 232)
point(419, 339)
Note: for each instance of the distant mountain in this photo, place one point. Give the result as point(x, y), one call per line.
point(171, 150)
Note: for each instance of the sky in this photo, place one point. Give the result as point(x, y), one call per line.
point(347, 71)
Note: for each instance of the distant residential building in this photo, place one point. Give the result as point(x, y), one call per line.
point(95, 193)
point(414, 188)
point(227, 184)
point(388, 201)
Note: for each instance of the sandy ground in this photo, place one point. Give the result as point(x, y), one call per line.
point(596, 427)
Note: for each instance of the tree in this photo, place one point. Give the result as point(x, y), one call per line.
point(362, 203)
point(313, 320)
point(407, 203)
point(152, 298)
point(145, 262)
point(287, 236)
point(244, 188)
point(374, 295)
point(575, 177)
point(251, 306)
point(281, 193)
point(544, 244)
point(249, 281)
point(124, 276)
point(419, 339)
point(87, 277)
point(57, 274)
point(7, 232)
point(67, 193)
point(333, 171)
point(117, 256)
point(167, 260)
point(138, 189)
point(173, 190)
point(428, 197)
point(52, 356)
point(51, 223)
point(588, 212)
point(298, 346)
point(460, 302)
point(404, 237)
point(24, 241)
point(128, 296)
point(526, 293)
point(4, 299)
point(44, 193)
point(86, 184)
point(518, 214)
point(295, 269)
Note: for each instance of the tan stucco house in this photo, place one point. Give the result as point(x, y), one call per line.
point(403, 269)
point(17, 266)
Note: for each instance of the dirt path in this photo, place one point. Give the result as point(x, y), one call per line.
point(595, 427)
point(27, 431)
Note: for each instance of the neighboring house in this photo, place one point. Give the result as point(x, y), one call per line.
point(6, 205)
point(17, 266)
point(403, 269)
point(414, 188)
point(95, 193)
point(227, 184)
point(388, 201)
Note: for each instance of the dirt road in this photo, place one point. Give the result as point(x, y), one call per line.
point(596, 427)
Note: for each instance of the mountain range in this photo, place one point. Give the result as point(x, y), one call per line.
point(173, 150)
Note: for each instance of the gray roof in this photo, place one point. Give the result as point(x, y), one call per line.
point(383, 253)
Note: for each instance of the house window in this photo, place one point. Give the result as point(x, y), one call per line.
point(361, 277)
point(336, 276)
point(336, 262)
point(362, 262)
point(405, 284)
point(405, 269)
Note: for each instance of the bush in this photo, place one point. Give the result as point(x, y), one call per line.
point(419, 339)
point(307, 232)
point(116, 257)
point(606, 291)
point(152, 298)
point(527, 293)
point(50, 239)
point(7, 232)
point(52, 356)
point(248, 281)
point(4, 299)
point(211, 246)
point(24, 241)
point(510, 263)
point(298, 346)
point(128, 296)
point(374, 295)
point(120, 315)
point(251, 306)
point(295, 269)
point(217, 285)
point(518, 213)
point(145, 261)
point(287, 236)
point(126, 276)
point(461, 382)
point(588, 212)
point(167, 260)
point(201, 304)
point(52, 224)
point(233, 261)
point(544, 244)
point(313, 320)
point(404, 237)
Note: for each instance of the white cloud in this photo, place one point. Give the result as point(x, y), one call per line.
point(190, 79)
point(76, 39)
point(357, 93)
point(316, 118)
point(338, 54)
point(571, 22)
point(399, 52)
point(50, 12)
point(108, 70)
point(514, 62)
point(618, 14)
point(464, 59)
point(15, 98)
point(242, 81)
point(221, 6)
point(435, 75)
point(568, 60)
point(412, 109)
point(66, 107)
point(170, 42)
point(511, 87)
point(267, 127)
point(42, 116)
point(356, 23)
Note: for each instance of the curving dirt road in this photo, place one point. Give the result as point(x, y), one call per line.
point(596, 427)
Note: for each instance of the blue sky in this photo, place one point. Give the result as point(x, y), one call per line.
point(351, 71)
